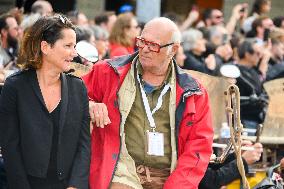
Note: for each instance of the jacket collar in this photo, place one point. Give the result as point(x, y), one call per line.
point(121, 61)
point(185, 81)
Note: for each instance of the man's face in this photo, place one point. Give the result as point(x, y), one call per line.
point(217, 17)
point(12, 32)
point(157, 62)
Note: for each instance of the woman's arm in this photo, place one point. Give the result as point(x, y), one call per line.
point(80, 171)
point(10, 137)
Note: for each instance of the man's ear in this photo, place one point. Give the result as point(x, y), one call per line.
point(44, 47)
point(4, 32)
point(175, 48)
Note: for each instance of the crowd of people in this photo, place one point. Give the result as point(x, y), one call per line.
point(150, 121)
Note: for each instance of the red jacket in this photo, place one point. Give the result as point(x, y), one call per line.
point(194, 132)
point(119, 50)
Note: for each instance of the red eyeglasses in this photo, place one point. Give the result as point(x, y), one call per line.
point(152, 46)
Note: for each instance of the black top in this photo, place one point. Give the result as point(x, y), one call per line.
point(218, 175)
point(197, 63)
point(249, 83)
point(52, 167)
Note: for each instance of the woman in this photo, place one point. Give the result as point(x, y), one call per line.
point(259, 8)
point(123, 35)
point(44, 118)
point(194, 47)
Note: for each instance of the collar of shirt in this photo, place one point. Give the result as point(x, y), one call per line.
point(148, 87)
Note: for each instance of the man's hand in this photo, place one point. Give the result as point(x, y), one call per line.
point(210, 62)
point(254, 155)
point(99, 114)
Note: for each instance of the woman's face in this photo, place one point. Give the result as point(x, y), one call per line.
point(102, 45)
point(60, 55)
point(133, 30)
point(265, 8)
point(200, 46)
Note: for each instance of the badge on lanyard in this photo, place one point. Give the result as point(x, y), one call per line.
point(155, 141)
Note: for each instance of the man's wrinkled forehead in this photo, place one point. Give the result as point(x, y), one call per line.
point(154, 34)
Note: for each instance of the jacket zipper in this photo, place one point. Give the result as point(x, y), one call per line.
point(184, 95)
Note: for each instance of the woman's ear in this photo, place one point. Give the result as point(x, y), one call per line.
point(44, 47)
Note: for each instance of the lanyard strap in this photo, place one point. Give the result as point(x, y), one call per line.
point(150, 113)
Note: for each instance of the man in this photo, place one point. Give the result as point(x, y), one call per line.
point(212, 17)
point(42, 7)
point(261, 28)
point(156, 118)
point(9, 39)
point(253, 63)
point(106, 20)
point(222, 174)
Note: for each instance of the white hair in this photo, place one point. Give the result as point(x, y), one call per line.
point(190, 37)
point(176, 37)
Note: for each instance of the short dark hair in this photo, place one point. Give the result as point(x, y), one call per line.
point(207, 13)
point(245, 46)
point(256, 7)
point(3, 21)
point(277, 21)
point(83, 33)
point(44, 29)
point(103, 17)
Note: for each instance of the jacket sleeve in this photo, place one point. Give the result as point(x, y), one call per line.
point(81, 165)
point(10, 138)
point(195, 153)
point(225, 174)
point(92, 83)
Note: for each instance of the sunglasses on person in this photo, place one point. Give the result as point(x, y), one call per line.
point(152, 46)
point(218, 17)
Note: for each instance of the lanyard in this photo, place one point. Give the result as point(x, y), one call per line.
point(150, 113)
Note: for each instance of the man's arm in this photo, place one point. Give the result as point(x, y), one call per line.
point(98, 111)
point(194, 158)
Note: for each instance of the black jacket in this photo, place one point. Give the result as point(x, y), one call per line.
point(197, 63)
point(249, 83)
point(218, 175)
point(26, 132)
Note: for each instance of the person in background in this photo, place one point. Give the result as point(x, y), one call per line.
point(152, 121)
point(101, 42)
point(218, 175)
point(276, 62)
point(252, 57)
point(194, 47)
point(261, 28)
point(42, 7)
point(259, 8)
point(78, 18)
point(42, 148)
point(279, 21)
point(9, 40)
point(122, 36)
point(106, 20)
